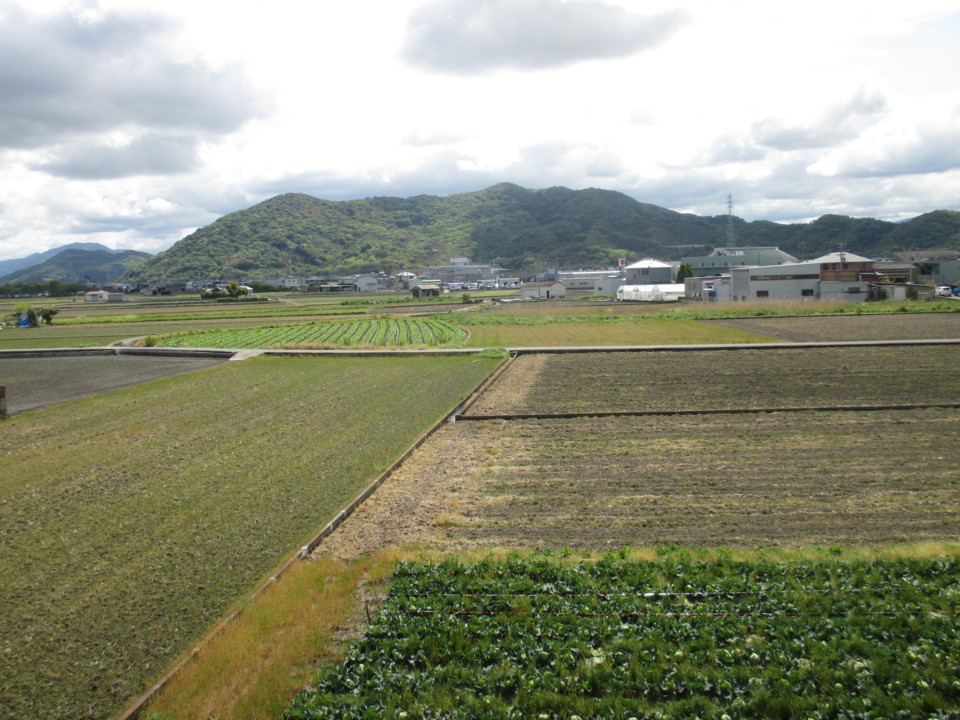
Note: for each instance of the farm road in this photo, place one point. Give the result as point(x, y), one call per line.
point(40, 382)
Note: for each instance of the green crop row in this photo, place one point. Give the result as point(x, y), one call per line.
point(370, 331)
point(675, 638)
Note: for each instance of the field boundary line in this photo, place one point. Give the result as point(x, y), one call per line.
point(711, 411)
point(133, 711)
point(560, 349)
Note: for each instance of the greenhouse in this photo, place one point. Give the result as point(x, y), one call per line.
point(651, 293)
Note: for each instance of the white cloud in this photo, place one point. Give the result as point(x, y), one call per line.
point(131, 123)
point(476, 36)
point(66, 76)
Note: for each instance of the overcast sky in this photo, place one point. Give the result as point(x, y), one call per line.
point(133, 122)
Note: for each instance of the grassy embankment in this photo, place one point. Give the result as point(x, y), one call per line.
point(134, 520)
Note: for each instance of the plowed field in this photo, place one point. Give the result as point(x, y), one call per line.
point(726, 380)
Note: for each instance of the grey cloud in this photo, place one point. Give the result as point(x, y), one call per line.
point(475, 36)
point(934, 151)
point(842, 122)
point(60, 78)
point(733, 149)
point(151, 154)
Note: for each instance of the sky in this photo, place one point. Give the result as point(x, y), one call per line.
point(132, 123)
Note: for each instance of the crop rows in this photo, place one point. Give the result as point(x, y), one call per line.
point(676, 638)
point(373, 331)
point(731, 380)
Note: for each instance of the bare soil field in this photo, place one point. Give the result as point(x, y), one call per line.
point(747, 481)
point(862, 376)
point(797, 478)
point(897, 326)
point(34, 383)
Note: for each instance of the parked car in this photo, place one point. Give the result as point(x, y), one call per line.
point(944, 291)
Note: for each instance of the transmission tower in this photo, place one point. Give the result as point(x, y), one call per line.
point(731, 239)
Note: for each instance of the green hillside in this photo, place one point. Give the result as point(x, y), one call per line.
point(505, 224)
point(72, 266)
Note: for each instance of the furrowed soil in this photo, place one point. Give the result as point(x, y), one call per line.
point(34, 383)
point(787, 479)
point(828, 377)
point(792, 478)
point(897, 326)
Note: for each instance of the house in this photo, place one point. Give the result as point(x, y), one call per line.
point(649, 272)
point(102, 296)
point(366, 283)
point(426, 290)
point(543, 290)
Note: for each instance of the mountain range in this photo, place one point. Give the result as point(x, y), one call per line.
point(506, 225)
point(73, 263)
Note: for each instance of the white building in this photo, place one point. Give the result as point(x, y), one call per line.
point(837, 276)
point(661, 292)
point(649, 272)
point(543, 290)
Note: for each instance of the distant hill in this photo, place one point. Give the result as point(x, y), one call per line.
point(8, 267)
point(296, 234)
point(79, 265)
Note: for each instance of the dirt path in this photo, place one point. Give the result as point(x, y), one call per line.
point(512, 387)
point(417, 501)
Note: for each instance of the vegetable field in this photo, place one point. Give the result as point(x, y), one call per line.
point(380, 331)
point(675, 638)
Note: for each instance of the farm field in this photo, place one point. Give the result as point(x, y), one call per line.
point(40, 382)
point(130, 522)
point(725, 380)
point(709, 485)
point(894, 326)
point(567, 331)
point(103, 334)
point(377, 331)
point(674, 638)
point(749, 481)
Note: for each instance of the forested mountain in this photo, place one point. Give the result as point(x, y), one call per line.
point(72, 266)
point(8, 267)
point(296, 234)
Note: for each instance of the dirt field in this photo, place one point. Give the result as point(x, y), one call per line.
point(898, 326)
point(34, 383)
point(830, 377)
point(788, 479)
point(810, 477)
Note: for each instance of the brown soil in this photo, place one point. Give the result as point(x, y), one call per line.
point(676, 380)
point(742, 480)
point(786, 479)
point(34, 383)
point(897, 326)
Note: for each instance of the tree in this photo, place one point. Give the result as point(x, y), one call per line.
point(683, 272)
point(35, 316)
